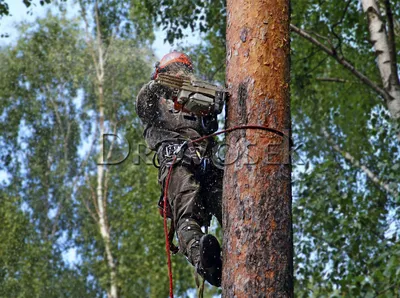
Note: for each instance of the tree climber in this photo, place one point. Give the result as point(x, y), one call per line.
point(195, 187)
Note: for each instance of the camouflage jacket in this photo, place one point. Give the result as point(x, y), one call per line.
point(163, 122)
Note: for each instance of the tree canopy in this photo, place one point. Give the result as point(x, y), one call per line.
point(346, 150)
point(50, 116)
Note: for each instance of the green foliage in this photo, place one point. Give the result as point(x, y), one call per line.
point(29, 266)
point(209, 58)
point(118, 17)
point(173, 16)
point(4, 9)
point(49, 110)
point(346, 226)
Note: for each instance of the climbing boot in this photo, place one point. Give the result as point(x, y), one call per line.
point(210, 266)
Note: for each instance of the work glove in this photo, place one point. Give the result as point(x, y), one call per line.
point(160, 90)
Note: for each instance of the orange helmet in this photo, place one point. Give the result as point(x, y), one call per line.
point(172, 61)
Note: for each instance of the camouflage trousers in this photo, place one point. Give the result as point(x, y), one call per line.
point(195, 195)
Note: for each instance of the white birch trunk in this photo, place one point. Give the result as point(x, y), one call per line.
point(103, 223)
point(100, 196)
point(381, 45)
point(101, 203)
point(102, 213)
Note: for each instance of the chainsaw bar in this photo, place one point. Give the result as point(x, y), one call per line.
point(186, 84)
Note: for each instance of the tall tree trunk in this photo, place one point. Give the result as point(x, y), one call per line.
point(385, 53)
point(101, 204)
point(258, 246)
point(101, 194)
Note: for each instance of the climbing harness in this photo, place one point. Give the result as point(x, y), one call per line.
point(178, 151)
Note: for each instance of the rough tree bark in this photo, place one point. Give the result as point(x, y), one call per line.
point(258, 248)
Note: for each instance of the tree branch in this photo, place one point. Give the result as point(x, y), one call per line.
point(99, 44)
point(374, 178)
point(339, 46)
point(342, 61)
point(89, 39)
point(387, 289)
point(109, 47)
point(336, 80)
point(90, 211)
point(212, 75)
point(74, 183)
point(93, 195)
point(55, 108)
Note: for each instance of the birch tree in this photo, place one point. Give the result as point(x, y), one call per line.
point(38, 84)
point(50, 153)
point(345, 182)
point(97, 48)
point(383, 41)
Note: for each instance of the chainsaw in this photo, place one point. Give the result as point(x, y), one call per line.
point(193, 95)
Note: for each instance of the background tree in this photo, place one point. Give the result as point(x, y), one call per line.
point(51, 112)
point(346, 157)
point(346, 184)
point(350, 178)
point(37, 148)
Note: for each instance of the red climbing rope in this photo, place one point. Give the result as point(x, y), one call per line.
point(167, 244)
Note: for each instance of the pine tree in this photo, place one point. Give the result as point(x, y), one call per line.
point(257, 185)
